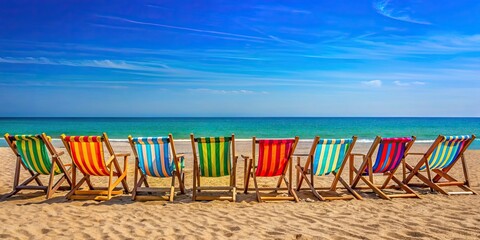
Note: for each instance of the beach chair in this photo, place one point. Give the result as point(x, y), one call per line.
point(214, 159)
point(153, 159)
point(439, 159)
point(274, 158)
point(327, 156)
point(88, 157)
point(36, 154)
point(390, 156)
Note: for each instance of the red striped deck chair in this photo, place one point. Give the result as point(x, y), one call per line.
point(153, 159)
point(390, 156)
point(88, 157)
point(439, 159)
point(36, 154)
point(327, 157)
point(216, 158)
point(274, 159)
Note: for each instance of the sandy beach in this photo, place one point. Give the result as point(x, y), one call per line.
point(30, 216)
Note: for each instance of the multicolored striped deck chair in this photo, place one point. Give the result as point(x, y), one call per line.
point(274, 158)
point(36, 154)
point(439, 159)
point(327, 157)
point(153, 159)
point(214, 159)
point(390, 156)
point(88, 157)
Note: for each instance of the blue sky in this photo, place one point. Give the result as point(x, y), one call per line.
point(240, 58)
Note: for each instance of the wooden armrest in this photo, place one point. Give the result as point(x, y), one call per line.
point(245, 157)
point(414, 153)
point(180, 155)
point(122, 154)
point(59, 154)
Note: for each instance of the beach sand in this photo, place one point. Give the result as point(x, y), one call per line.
point(29, 215)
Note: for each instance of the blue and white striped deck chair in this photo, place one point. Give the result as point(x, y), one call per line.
point(153, 159)
point(439, 159)
point(328, 156)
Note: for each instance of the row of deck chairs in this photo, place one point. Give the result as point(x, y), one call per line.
point(156, 157)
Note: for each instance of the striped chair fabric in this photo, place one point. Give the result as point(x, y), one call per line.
point(390, 154)
point(87, 154)
point(446, 152)
point(214, 155)
point(329, 155)
point(273, 156)
point(34, 154)
point(154, 156)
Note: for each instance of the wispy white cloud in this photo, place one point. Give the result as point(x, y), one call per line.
point(385, 8)
point(373, 83)
point(406, 84)
point(232, 36)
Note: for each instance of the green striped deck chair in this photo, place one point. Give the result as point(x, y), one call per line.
point(327, 157)
point(215, 158)
point(36, 154)
point(439, 159)
point(153, 159)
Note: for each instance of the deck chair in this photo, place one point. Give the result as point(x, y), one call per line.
point(88, 157)
point(153, 159)
point(214, 159)
point(274, 158)
point(439, 159)
point(36, 154)
point(390, 156)
point(327, 156)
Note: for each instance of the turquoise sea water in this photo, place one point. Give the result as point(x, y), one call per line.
point(426, 129)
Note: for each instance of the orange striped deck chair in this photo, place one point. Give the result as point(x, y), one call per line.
point(88, 157)
point(274, 159)
point(216, 158)
point(327, 157)
point(390, 156)
point(153, 159)
point(439, 159)
point(36, 154)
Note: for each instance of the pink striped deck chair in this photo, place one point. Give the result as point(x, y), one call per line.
point(390, 156)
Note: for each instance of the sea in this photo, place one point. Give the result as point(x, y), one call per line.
point(365, 128)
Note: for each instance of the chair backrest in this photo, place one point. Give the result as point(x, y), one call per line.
point(273, 156)
point(87, 154)
point(153, 155)
point(447, 151)
point(329, 155)
point(390, 153)
point(33, 152)
point(214, 155)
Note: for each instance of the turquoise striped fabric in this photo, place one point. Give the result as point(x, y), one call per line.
point(329, 155)
point(446, 152)
point(153, 156)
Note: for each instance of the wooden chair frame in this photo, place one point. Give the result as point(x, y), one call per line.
point(142, 180)
point(250, 171)
point(379, 189)
point(307, 170)
point(434, 183)
point(196, 177)
point(52, 187)
point(94, 193)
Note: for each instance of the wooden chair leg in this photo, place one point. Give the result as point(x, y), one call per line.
point(247, 177)
point(353, 192)
point(259, 198)
point(172, 189)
